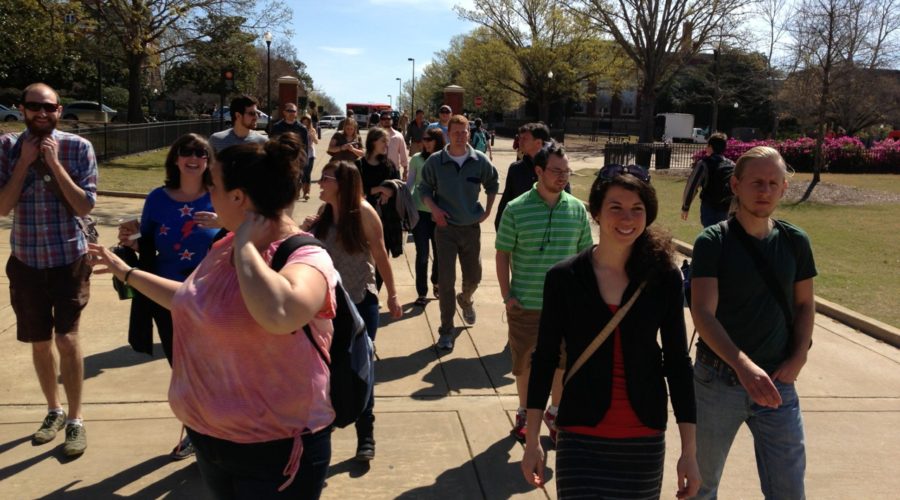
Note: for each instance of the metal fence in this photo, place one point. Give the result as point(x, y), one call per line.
point(112, 140)
point(651, 155)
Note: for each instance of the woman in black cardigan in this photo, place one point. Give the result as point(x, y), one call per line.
point(612, 416)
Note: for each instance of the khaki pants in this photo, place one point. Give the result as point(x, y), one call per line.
point(453, 241)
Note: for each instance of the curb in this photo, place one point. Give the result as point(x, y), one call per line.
point(869, 326)
point(121, 194)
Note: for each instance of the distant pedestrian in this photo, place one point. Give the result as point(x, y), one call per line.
point(346, 144)
point(244, 116)
point(291, 123)
point(753, 304)
point(49, 178)
point(712, 174)
point(520, 177)
point(612, 417)
point(539, 228)
point(423, 232)
point(443, 122)
point(415, 131)
point(396, 151)
point(451, 183)
point(480, 140)
point(311, 161)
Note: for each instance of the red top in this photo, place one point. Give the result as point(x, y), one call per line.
point(620, 420)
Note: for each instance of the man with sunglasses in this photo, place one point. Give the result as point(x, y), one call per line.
point(443, 122)
point(539, 228)
point(244, 116)
point(396, 151)
point(290, 123)
point(50, 178)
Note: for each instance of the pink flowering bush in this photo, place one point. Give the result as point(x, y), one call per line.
point(842, 154)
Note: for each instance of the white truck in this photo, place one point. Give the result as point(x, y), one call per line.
point(677, 127)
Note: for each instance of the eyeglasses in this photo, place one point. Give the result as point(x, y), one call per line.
point(290, 111)
point(385, 118)
point(610, 172)
point(445, 112)
point(49, 107)
point(559, 173)
point(428, 139)
point(186, 152)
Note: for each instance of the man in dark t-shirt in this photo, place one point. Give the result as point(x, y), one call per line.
point(752, 349)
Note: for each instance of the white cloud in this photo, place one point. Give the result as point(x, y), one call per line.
point(347, 51)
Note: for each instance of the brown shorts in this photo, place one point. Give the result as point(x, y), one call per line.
point(523, 335)
point(47, 299)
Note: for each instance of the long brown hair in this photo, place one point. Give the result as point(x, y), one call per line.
point(350, 233)
point(652, 252)
point(173, 175)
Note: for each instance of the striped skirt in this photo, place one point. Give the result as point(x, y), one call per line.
point(595, 467)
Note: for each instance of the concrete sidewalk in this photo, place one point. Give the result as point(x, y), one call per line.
point(442, 420)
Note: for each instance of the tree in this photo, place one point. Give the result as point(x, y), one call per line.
point(325, 101)
point(542, 37)
point(284, 63)
point(158, 30)
point(659, 37)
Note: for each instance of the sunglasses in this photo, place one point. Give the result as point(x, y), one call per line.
point(49, 107)
point(445, 112)
point(610, 172)
point(385, 118)
point(185, 152)
point(290, 111)
point(428, 139)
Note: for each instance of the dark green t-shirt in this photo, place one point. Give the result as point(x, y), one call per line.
point(747, 308)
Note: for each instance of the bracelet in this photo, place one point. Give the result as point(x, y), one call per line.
point(127, 274)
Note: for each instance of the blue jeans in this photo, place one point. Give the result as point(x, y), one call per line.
point(236, 471)
point(710, 216)
point(777, 435)
point(368, 309)
point(423, 235)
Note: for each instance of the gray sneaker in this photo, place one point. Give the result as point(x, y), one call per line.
point(468, 309)
point(76, 440)
point(52, 423)
point(445, 340)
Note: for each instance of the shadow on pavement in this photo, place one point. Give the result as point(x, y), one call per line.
point(352, 467)
point(184, 483)
point(120, 357)
point(505, 480)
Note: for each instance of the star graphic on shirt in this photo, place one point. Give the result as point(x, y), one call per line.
point(163, 230)
point(186, 210)
point(187, 255)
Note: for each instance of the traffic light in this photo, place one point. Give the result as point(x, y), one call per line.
point(228, 78)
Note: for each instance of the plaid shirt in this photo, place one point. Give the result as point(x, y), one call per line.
point(45, 234)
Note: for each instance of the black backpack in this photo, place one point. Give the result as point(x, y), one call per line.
point(717, 190)
point(352, 355)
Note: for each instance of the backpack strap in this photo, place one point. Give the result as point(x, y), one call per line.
point(764, 268)
point(285, 249)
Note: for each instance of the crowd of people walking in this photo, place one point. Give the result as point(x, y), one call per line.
point(598, 328)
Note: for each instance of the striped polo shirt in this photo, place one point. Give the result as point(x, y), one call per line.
point(538, 237)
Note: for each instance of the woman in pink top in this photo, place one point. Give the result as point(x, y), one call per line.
point(252, 394)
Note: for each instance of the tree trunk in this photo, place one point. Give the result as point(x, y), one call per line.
point(648, 113)
point(135, 64)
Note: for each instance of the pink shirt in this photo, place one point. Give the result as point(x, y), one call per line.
point(232, 379)
point(396, 151)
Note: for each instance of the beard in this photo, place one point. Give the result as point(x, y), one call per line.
point(41, 129)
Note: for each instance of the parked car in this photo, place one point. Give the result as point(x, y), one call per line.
point(262, 122)
point(10, 114)
point(89, 111)
point(699, 136)
point(330, 121)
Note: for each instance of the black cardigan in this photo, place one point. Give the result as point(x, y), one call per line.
point(574, 312)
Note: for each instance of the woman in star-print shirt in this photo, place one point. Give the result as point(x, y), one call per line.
point(177, 227)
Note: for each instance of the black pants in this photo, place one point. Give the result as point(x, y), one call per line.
point(235, 471)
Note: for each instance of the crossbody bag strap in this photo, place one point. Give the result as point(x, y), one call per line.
point(765, 270)
point(604, 334)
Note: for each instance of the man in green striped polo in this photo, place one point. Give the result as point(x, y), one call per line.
point(538, 229)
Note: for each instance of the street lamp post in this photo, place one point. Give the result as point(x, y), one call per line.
point(399, 93)
point(391, 100)
point(268, 38)
point(413, 92)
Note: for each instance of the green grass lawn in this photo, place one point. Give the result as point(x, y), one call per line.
point(139, 173)
point(857, 248)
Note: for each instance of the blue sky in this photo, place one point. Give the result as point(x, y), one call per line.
point(355, 50)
